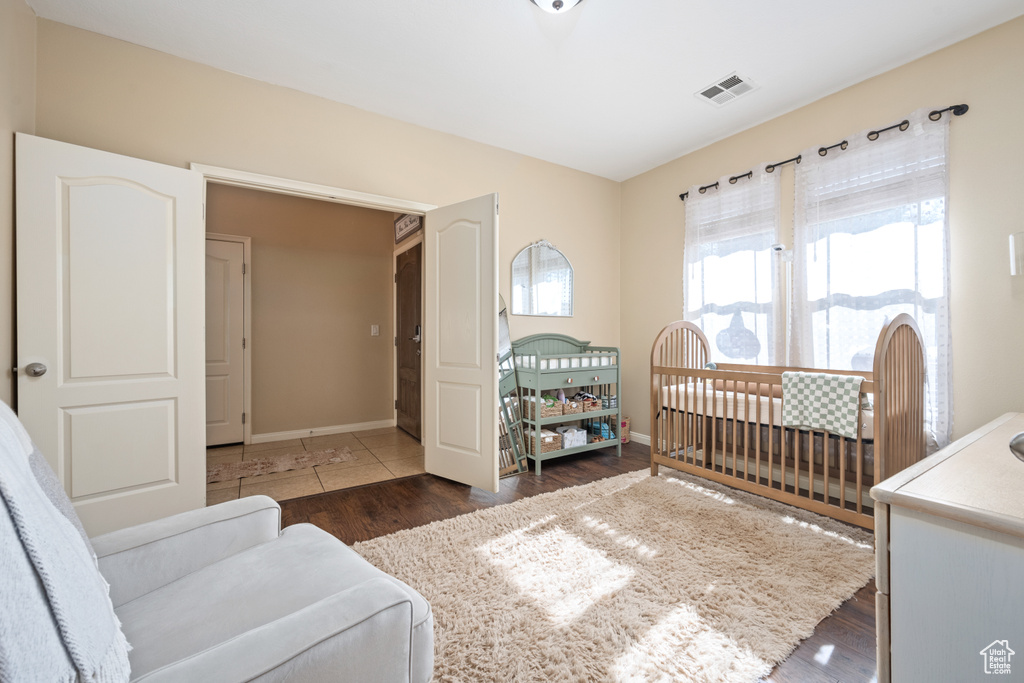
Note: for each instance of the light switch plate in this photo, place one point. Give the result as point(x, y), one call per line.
point(374, 330)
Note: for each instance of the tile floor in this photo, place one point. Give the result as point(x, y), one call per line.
point(380, 454)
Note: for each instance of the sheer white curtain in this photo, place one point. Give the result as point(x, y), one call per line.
point(730, 279)
point(871, 240)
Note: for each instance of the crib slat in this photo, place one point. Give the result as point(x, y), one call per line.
point(684, 383)
point(704, 423)
point(735, 422)
point(746, 433)
point(701, 419)
point(667, 427)
point(757, 437)
point(901, 398)
point(674, 423)
point(897, 395)
point(655, 414)
point(842, 473)
point(771, 444)
point(673, 417)
point(714, 430)
point(826, 447)
point(663, 429)
point(905, 394)
point(860, 471)
point(679, 436)
point(691, 419)
point(698, 423)
point(795, 449)
point(810, 464)
point(746, 430)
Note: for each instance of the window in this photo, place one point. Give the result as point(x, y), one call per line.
point(731, 279)
point(871, 241)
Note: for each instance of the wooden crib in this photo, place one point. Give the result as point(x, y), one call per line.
point(724, 424)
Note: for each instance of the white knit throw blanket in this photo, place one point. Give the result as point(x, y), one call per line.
point(56, 619)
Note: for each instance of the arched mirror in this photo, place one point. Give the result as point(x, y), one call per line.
point(541, 281)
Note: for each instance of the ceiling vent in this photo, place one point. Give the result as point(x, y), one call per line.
point(725, 90)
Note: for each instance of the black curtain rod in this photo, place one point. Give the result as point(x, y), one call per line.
point(770, 168)
point(935, 115)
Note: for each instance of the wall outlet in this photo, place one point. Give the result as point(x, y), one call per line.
point(374, 330)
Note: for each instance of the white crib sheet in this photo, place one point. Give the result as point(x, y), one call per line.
point(691, 397)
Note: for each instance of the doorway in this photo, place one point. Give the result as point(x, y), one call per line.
point(459, 264)
point(408, 338)
point(321, 339)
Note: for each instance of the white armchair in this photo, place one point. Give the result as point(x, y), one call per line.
point(217, 594)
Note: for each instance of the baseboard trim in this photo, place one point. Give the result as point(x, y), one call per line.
point(321, 431)
point(645, 439)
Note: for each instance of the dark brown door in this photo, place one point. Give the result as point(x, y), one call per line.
point(409, 332)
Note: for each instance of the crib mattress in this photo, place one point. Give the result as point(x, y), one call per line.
point(691, 397)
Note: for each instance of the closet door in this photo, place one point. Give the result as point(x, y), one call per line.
point(111, 299)
point(225, 342)
point(460, 342)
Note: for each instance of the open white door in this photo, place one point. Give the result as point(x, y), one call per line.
point(111, 377)
point(460, 342)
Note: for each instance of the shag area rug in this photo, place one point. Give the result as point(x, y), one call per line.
point(280, 463)
point(634, 577)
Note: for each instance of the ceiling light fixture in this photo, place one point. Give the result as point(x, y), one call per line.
point(556, 6)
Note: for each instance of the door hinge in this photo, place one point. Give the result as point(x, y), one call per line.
point(396, 341)
point(243, 342)
point(396, 277)
point(396, 404)
point(243, 269)
point(243, 418)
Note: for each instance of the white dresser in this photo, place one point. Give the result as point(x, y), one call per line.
point(949, 536)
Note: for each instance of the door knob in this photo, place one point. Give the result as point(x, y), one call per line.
point(35, 369)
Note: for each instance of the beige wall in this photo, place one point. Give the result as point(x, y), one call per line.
point(985, 206)
point(17, 114)
point(321, 276)
point(104, 93)
point(107, 94)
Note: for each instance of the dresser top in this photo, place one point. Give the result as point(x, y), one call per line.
point(975, 480)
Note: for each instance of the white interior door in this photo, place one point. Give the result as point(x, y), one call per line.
point(460, 342)
point(225, 371)
point(110, 328)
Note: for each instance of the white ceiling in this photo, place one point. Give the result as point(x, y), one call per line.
point(606, 88)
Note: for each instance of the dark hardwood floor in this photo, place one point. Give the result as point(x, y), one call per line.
point(842, 648)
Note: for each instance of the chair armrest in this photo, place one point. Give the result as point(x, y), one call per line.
point(139, 559)
point(359, 634)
